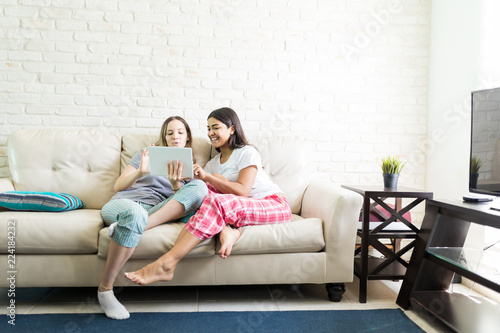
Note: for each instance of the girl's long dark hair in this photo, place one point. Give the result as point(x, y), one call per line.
point(230, 118)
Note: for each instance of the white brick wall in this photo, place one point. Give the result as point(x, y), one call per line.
point(351, 76)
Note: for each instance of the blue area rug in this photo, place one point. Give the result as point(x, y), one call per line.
point(385, 320)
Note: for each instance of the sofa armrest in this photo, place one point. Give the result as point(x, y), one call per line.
point(6, 185)
point(339, 210)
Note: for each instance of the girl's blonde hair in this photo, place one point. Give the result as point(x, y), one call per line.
point(163, 132)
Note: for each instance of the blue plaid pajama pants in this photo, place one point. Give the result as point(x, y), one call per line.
point(132, 216)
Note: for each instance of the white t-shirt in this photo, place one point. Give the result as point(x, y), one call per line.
point(240, 159)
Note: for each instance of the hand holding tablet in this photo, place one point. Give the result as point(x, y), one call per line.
point(159, 157)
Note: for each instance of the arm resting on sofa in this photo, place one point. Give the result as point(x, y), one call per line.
point(339, 210)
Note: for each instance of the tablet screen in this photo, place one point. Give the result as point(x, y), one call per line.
point(160, 156)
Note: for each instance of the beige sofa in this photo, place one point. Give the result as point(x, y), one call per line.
point(70, 248)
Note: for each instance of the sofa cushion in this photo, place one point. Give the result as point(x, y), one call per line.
point(72, 232)
point(285, 160)
point(299, 236)
point(157, 241)
point(39, 201)
point(376, 217)
point(85, 163)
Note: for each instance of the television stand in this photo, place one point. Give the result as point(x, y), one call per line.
point(439, 253)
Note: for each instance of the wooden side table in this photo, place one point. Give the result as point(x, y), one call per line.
point(391, 266)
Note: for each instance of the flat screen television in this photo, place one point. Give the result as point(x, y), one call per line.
point(484, 161)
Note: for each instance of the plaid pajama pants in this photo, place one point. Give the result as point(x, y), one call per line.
point(218, 210)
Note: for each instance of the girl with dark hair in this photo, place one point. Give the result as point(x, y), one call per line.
point(143, 201)
point(229, 118)
point(240, 194)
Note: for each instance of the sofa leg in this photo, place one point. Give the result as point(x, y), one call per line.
point(335, 291)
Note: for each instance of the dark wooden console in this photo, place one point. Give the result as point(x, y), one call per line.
point(438, 255)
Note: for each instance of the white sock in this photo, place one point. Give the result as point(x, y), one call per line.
point(112, 308)
point(112, 227)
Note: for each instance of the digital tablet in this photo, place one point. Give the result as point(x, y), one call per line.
point(160, 156)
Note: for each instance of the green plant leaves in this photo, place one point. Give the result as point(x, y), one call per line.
point(392, 164)
point(475, 164)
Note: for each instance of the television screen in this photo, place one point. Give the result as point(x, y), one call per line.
point(484, 175)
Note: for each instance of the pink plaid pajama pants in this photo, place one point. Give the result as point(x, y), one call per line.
point(218, 210)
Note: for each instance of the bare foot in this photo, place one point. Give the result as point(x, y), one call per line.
point(228, 237)
point(151, 273)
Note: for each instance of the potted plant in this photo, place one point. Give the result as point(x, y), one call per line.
point(391, 168)
point(475, 165)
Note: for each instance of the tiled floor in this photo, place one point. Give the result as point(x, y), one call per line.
point(381, 294)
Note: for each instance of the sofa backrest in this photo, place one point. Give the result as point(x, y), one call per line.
point(286, 160)
point(85, 163)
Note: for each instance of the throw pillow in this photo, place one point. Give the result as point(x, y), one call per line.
point(374, 217)
point(39, 201)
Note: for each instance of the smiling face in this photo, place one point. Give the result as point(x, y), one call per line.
point(219, 133)
point(176, 134)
